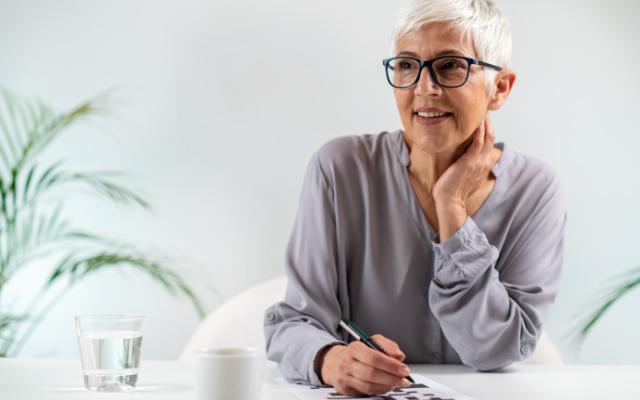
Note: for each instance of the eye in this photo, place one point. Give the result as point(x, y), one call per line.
point(404, 65)
point(451, 64)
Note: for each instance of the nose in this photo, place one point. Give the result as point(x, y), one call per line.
point(426, 86)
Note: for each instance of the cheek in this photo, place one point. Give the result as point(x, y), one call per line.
point(471, 116)
point(404, 102)
point(467, 124)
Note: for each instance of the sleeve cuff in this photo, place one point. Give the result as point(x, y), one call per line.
point(316, 347)
point(464, 256)
point(457, 240)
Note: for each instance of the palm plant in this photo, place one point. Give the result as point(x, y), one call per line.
point(622, 285)
point(34, 227)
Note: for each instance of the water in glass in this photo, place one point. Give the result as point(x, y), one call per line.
point(110, 359)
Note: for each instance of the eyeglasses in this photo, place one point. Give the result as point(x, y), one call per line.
point(446, 71)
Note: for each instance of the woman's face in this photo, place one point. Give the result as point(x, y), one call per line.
point(466, 105)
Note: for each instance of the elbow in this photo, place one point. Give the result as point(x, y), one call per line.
point(500, 357)
point(487, 364)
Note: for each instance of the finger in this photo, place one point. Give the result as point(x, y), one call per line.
point(363, 387)
point(364, 354)
point(490, 136)
point(390, 347)
point(373, 375)
point(478, 139)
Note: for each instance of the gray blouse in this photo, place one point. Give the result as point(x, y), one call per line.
point(361, 248)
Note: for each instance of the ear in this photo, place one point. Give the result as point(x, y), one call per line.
point(504, 81)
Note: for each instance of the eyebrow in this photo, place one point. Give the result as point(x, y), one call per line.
point(438, 54)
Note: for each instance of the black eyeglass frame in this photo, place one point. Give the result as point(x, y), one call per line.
point(429, 64)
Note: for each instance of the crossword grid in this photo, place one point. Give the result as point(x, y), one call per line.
point(423, 389)
point(397, 394)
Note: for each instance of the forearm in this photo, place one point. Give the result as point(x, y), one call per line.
point(294, 344)
point(326, 362)
point(451, 216)
point(486, 326)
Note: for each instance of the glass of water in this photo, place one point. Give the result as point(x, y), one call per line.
point(110, 350)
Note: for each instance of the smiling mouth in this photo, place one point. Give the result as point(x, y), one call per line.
point(432, 115)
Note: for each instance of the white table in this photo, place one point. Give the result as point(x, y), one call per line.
point(22, 379)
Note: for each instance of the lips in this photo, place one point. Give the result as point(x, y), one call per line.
point(430, 116)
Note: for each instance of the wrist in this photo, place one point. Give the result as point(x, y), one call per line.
point(448, 200)
point(452, 215)
point(326, 362)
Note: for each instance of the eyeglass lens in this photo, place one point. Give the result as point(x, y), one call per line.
point(449, 71)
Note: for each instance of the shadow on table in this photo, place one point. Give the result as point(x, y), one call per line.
point(160, 387)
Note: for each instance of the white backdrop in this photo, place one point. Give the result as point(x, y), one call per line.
point(221, 155)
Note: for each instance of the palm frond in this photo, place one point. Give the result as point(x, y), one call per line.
point(54, 177)
point(5, 159)
point(37, 183)
point(7, 320)
point(623, 285)
point(48, 178)
point(99, 181)
point(26, 128)
point(9, 323)
point(21, 123)
point(54, 125)
point(70, 239)
point(9, 127)
point(3, 231)
point(75, 268)
point(35, 229)
point(31, 228)
point(39, 232)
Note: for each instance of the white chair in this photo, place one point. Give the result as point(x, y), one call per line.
point(238, 323)
point(546, 353)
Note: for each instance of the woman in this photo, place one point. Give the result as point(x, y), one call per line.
point(445, 244)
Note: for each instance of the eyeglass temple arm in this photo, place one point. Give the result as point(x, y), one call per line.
point(486, 64)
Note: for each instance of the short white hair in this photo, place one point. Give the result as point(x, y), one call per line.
point(482, 19)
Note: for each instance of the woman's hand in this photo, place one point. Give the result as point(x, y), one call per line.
point(454, 188)
point(357, 369)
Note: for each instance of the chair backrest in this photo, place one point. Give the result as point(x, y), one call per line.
point(546, 353)
point(238, 323)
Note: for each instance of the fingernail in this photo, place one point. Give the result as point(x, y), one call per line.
point(404, 370)
point(406, 383)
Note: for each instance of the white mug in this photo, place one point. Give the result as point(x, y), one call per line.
point(229, 373)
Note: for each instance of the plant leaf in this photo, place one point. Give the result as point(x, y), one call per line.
point(112, 190)
point(630, 280)
point(31, 228)
point(7, 320)
point(76, 268)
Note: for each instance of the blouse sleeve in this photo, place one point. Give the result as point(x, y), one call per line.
point(493, 318)
point(297, 328)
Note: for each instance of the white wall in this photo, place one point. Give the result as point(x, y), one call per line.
point(222, 158)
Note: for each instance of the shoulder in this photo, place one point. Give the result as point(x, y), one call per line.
point(533, 181)
point(527, 169)
point(358, 147)
point(353, 153)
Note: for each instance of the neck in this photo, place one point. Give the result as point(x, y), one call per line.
point(427, 167)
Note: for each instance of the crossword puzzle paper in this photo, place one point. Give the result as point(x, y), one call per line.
point(423, 389)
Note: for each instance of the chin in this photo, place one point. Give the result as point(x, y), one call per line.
point(430, 142)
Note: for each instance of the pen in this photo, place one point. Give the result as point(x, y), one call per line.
point(357, 332)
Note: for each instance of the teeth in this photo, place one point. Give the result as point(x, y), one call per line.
point(431, 114)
